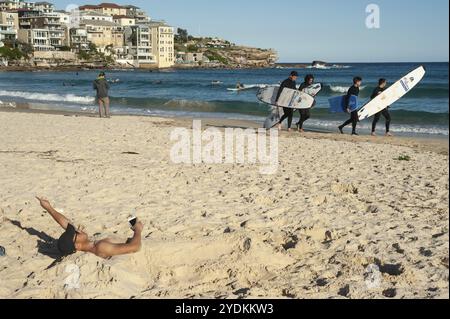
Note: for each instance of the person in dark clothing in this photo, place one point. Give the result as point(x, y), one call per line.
point(354, 90)
point(382, 83)
point(101, 85)
point(288, 112)
point(305, 114)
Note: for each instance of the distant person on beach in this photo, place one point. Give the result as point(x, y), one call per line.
point(76, 240)
point(101, 85)
point(382, 83)
point(289, 83)
point(305, 114)
point(354, 90)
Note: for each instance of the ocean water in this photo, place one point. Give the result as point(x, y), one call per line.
point(191, 93)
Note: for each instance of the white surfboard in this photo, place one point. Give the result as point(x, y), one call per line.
point(289, 98)
point(394, 93)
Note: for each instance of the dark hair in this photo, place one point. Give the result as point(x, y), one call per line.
point(357, 79)
point(294, 73)
point(309, 77)
point(381, 81)
point(102, 74)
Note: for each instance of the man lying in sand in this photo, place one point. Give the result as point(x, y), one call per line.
point(74, 240)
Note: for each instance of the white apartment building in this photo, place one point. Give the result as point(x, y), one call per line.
point(64, 17)
point(38, 38)
point(7, 33)
point(139, 45)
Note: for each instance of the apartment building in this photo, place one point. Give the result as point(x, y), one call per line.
point(39, 39)
point(10, 18)
point(44, 7)
point(10, 5)
point(95, 15)
point(103, 33)
point(124, 21)
point(64, 17)
point(111, 9)
point(7, 33)
point(162, 37)
point(137, 13)
point(79, 39)
point(57, 32)
point(139, 45)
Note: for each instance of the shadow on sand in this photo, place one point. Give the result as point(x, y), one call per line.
point(46, 244)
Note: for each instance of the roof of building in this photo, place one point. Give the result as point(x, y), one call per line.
point(89, 7)
point(122, 17)
point(110, 5)
point(43, 3)
point(94, 13)
point(99, 23)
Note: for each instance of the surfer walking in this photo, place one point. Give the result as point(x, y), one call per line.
point(382, 83)
point(289, 83)
point(305, 114)
point(101, 85)
point(354, 90)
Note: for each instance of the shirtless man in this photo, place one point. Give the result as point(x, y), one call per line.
point(74, 240)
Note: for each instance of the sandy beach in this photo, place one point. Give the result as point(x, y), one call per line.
point(337, 206)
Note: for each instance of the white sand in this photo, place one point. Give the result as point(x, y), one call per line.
point(379, 211)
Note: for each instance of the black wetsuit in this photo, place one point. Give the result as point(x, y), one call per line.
point(288, 112)
point(354, 115)
point(305, 114)
point(385, 113)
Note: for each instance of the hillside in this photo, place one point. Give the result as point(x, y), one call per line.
point(214, 52)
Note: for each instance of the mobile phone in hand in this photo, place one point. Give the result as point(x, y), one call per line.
point(132, 220)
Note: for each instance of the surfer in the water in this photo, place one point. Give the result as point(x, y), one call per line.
point(305, 114)
point(76, 240)
point(240, 86)
point(288, 112)
point(354, 90)
point(380, 89)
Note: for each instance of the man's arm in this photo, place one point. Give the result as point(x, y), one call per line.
point(58, 217)
point(350, 92)
point(106, 249)
point(282, 86)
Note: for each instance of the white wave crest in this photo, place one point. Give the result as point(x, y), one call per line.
point(50, 97)
point(342, 89)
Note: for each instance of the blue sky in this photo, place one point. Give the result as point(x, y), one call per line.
point(302, 31)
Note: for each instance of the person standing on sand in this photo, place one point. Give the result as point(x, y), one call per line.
point(288, 112)
point(354, 90)
point(382, 83)
point(76, 240)
point(101, 85)
point(305, 114)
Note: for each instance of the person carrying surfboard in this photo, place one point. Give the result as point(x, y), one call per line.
point(354, 90)
point(305, 114)
point(382, 83)
point(289, 83)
